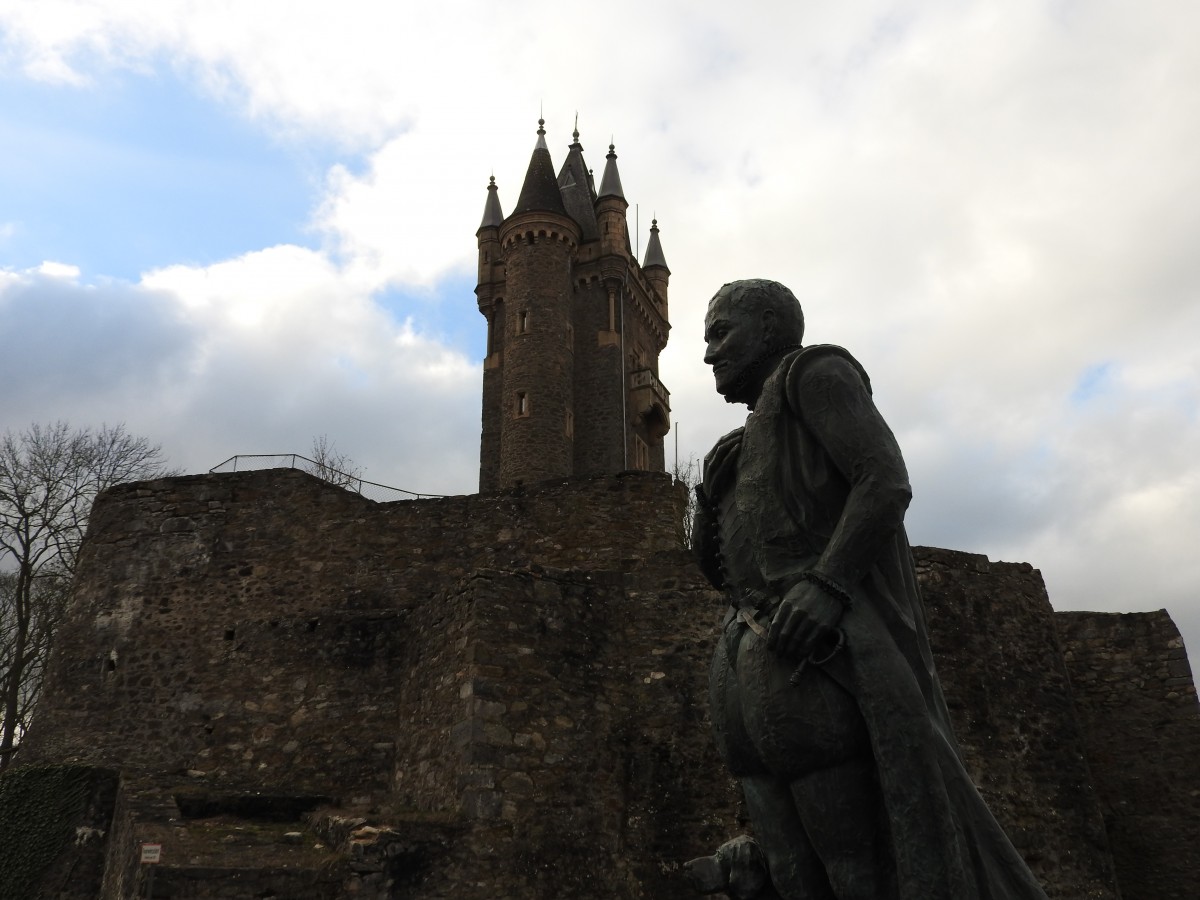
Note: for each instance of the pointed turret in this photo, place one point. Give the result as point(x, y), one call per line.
point(610, 209)
point(654, 252)
point(488, 240)
point(610, 184)
point(492, 214)
point(489, 291)
point(540, 190)
point(655, 264)
point(575, 184)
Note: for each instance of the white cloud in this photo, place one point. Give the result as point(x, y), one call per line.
point(65, 271)
point(252, 355)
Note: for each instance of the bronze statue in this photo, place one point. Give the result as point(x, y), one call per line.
point(825, 702)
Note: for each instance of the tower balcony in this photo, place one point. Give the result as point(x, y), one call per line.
point(651, 402)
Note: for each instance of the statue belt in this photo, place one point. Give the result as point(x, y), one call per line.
point(755, 603)
point(758, 601)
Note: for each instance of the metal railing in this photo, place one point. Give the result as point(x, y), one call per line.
point(381, 493)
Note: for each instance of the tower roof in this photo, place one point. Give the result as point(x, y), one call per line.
point(654, 253)
point(540, 190)
point(492, 214)
point(610, 184)
point(575, 185)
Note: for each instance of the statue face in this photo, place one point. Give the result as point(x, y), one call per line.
point(735, 338)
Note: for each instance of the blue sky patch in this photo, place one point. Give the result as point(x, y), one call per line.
point(448, 313)
point(139, 172)
point(1094, 381)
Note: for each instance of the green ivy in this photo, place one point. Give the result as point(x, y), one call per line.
point(40, 807)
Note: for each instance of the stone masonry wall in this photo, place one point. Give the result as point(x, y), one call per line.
point(218, 628)
point(581, 769)
point(599, 383)
point(490, 419)
point(55, 823)
point(266, 635)
point(229, 623)
point(1137, 702)
point(507, 692)
point(992, 632)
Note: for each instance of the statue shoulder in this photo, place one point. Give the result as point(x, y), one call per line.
point(724, 445)
point(720, 465)
point(823, 362)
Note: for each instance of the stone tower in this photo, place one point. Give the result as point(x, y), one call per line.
point(575, 328)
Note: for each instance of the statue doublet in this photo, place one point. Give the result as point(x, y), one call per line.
point(774, 492)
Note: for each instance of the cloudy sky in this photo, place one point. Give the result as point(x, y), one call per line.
point(236, 225)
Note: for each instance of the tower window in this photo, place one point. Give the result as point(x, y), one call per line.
point(641, 454)
point(570, 425)
point(522, 403)
point(523, 322)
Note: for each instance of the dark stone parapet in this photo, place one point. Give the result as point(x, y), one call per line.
point(311, 693)
point(1001, 668)
point(1137, 701)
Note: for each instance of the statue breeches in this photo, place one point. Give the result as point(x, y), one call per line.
point(766, 725)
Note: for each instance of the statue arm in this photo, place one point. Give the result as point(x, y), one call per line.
point(832, 398)
point(705, 543)
point(718, 472)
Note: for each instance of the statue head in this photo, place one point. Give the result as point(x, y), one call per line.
point(749, 325)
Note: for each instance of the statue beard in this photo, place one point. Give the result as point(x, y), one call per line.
point(746, 387)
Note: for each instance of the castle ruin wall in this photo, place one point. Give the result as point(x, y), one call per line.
point(1137, 704)
point(521, 675)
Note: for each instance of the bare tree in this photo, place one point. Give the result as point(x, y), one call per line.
point(49, 477)
point(330, 465)
point(689, 475)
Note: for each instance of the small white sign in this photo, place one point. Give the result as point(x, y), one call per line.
point(151, 853)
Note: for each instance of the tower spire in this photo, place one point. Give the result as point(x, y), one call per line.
point(493, 215)
point(610, 184)
point(540, 189)
point(655, 265)
point(654, 253)
point(575, 184)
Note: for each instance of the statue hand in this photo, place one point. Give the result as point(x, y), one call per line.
point(738, 869)
point(804, 619)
